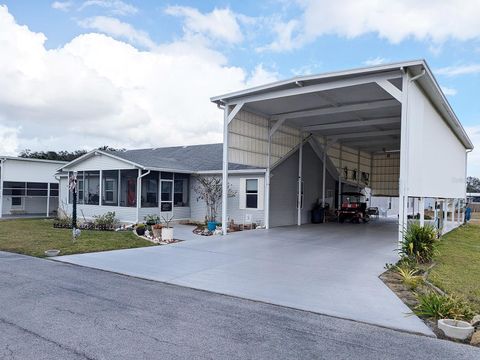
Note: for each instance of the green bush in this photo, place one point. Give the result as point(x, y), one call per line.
point(434, 306)
point(107, 220)
point(419, 243)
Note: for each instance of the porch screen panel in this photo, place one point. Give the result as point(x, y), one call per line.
point(128, 188)
point(110, 187)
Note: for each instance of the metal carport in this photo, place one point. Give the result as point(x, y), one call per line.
point(387, 127)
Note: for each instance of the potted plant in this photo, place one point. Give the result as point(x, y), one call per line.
point(209, 189)
point(167, 230)
point(157, 231)
point(140, 229)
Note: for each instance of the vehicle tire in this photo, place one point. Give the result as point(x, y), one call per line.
point(366, 219)
point(341, 219)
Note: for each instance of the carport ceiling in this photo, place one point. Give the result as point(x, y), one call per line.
point(364, 117)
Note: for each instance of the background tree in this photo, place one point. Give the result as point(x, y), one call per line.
point(60, 155)
point(473, 184)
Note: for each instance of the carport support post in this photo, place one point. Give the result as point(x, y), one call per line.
point(421, 210)
point(48, 199)
point(402, 181)
point(454, 204)
point(299, 196)
point(459, 218)
point(225, 170)
point(267, 181)
point(324, 172)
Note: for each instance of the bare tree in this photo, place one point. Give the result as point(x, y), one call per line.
point(209, 189)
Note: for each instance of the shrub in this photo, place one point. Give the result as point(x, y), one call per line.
point(107, 220)
point(410, 277)
point(419, 243)
point(152, 219)
point(435, 306)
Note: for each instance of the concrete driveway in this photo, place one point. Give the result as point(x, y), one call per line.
point(328, 268)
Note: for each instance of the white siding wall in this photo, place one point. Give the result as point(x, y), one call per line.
point(198, 210)
point(29, 171)
point(283, 188)
point(100, 162)
point(385, 174)
point(248, 140)
point(344, 156)
point(124, 214)
point(436, 158)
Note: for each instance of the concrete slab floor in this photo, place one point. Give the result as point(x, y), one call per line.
point(326, 268)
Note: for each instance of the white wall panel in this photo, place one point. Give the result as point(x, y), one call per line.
point(436, 158)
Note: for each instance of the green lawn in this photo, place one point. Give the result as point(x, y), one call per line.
point(458, 264)
point(34, 236)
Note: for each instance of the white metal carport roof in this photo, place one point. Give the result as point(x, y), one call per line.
point(364, 110)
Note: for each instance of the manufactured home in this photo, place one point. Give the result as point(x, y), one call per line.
point(28, 187)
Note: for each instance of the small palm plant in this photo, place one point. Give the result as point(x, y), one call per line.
point(410, 277)
point(419, 243)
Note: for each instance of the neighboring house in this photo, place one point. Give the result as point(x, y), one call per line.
point(28, 186)
point(160, 181)
point(473, 198)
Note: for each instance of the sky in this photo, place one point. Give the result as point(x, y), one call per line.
point(79, 74)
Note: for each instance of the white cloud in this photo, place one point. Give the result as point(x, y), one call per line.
point(285, 37)
point(115, 7)
point(449, 91)
point(219, 24)
point(474, 157)
point(118, 29)
point(394, 20)
point(96, 90)
point(260, 76)
point(376, 61)
point(62, 5)
point(457, 70)
point(8, 140)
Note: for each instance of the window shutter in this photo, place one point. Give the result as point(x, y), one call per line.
point(242, 194)
point(261, 193)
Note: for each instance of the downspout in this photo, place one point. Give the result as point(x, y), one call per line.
point(139, 195)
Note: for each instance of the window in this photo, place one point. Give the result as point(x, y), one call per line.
point(16, 201)
point(251, 190)
point(180, 190)
point(110, 188)
point(250, 193)
point(150, 190)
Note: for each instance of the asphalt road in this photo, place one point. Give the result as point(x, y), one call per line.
point(51, 310)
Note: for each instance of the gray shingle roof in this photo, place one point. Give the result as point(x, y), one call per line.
point(186, 158)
